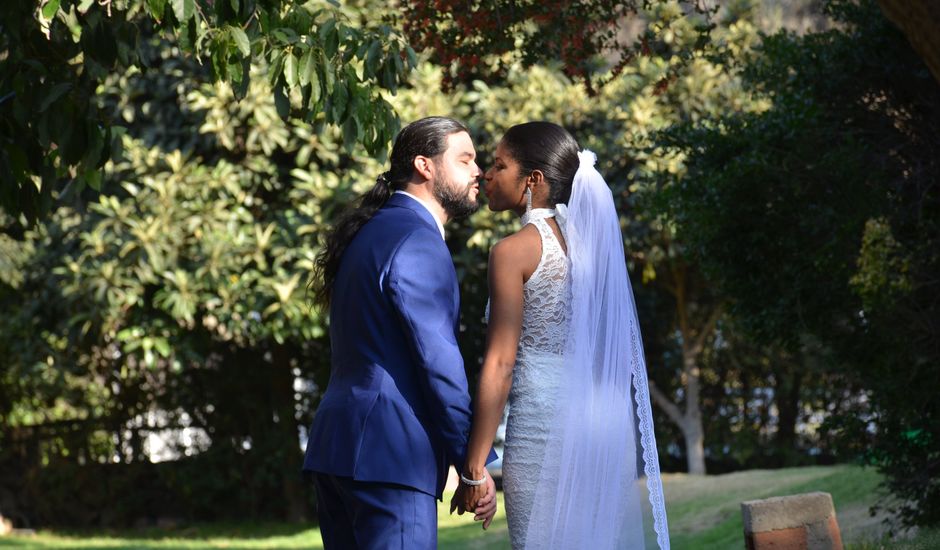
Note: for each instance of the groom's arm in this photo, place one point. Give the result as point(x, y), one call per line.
point(421, 285)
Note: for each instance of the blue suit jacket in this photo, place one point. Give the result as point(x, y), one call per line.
point(397, 407)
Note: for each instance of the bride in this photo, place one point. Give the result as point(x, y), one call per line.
point(563, 345)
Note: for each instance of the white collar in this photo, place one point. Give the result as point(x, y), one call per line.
point(440, 225)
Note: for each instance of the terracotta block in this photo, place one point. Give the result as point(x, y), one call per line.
point(797, 522)
point(780, 539)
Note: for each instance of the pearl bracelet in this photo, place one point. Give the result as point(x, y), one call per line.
point(473, 482)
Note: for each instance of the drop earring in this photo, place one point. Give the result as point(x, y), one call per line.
point(528, 200)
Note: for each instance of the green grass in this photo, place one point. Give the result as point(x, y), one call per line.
point(454, 532)
point(704, 514)
point(924, 540)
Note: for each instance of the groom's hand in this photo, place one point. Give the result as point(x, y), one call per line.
point(485, 507)
point(456, 502)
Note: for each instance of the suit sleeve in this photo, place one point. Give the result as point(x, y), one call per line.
point(423, 289)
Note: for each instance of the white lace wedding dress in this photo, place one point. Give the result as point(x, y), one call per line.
point(536, 376)
point(580, 467)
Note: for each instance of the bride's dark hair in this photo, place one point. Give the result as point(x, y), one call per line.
point(546, 147)
point(426, 137)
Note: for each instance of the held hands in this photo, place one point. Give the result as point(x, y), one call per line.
point(481, 499)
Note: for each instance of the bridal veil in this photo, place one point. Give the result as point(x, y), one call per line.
point(599, 487)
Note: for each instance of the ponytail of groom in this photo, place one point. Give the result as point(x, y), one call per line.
point(426, 137)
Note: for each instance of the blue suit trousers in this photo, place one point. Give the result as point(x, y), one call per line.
point(366, 515)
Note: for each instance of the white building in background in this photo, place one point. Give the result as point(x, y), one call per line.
point(168, 436)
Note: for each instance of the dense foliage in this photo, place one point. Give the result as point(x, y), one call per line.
point(818, 220)
point(54, 136)
point(770, 188)
point(592, 41)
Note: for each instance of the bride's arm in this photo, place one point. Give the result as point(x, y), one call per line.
point(505, 324)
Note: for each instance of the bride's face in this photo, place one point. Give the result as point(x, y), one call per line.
point(505, 186)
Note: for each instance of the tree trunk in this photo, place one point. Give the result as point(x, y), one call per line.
point(690, 423)
point(282, 386)
point(692, 428)
point(694, 435)
point(694, 339)
point(787, 398)
point(919, 20)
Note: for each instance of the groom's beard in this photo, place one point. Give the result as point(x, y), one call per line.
point(456, 202)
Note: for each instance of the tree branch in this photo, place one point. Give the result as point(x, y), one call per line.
point(670, 408)
point(707, 329)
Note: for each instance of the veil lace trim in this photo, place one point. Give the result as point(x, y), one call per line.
point(589, 492)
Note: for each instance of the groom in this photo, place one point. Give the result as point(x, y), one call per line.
point(396, 412)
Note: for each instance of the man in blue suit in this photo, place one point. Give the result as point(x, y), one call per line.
point(396, 412)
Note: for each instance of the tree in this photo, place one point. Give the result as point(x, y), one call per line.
point(695, 323)
point(919, 20)
point(619, 124)
point(55, 138)
point(177, 300)
point(818, 219)
point(685, 90)
point(481, 39)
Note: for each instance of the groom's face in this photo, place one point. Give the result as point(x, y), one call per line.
point(457, 177)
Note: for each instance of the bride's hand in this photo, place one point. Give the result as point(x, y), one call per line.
point(485, 509)
point(472, 494)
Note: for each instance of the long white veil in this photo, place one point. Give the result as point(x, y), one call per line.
point(599, 487)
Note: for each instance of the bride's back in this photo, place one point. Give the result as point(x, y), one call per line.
point(546, 294)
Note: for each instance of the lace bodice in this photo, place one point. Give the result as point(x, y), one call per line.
point(545, 298)
point(545, 308)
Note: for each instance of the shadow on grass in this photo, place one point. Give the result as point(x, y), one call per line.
point(464, 537)
point(224, 529)
point(230, 535)
point(704, 514)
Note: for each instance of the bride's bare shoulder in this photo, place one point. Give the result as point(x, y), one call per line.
point(520, 249)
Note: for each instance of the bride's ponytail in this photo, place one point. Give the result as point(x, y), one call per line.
point(548, 148)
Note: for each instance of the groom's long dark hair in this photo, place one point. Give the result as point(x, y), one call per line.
point(426, 137)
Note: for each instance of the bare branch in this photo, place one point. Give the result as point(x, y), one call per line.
point(707, 329)
point(670, 408)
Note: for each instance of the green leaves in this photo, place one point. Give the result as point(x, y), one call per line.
point(53, 93)
point(183, 9)
point(307, 50)
point(290, 69)
point(308, 68)
point(329, 37)
point(281, 102)
point(339, 99)
point(157, 8)
point(50, 9)
point(372, 57)
point(241, 40)
point(320, 65)
point(884, 267)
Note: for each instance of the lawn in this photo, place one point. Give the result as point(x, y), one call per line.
point(704, 514)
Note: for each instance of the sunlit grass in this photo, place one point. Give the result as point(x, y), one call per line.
point(704, 514)
point(454, 532)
